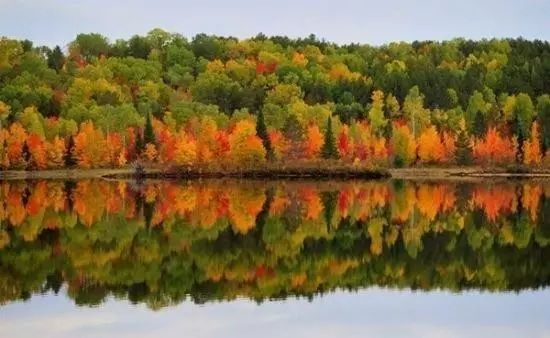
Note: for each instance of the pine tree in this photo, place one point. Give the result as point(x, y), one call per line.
point(480, 126)
point(68, 157)
point(261, 131)
point(329, 147)
point(56, 59)
point(463, 149)
point(148, 133)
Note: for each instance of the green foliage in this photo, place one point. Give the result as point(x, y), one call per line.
point(463, 149)
point(56, 59)
point(91, 45)
point(329, 151)
point(543, 108)
point(261, 131)
point(148, 133)
point(291, 83)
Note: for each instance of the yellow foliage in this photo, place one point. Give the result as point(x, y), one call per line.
point(150, 152)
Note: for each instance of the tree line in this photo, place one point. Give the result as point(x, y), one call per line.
point(222, 102)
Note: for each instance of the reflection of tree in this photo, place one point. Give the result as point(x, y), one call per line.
point(163, 242)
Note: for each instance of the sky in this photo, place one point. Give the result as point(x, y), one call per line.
point(370, 313)
point(57, 22)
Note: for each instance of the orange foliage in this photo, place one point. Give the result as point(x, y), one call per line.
point(494, 148)
point(55, 150)
point(495, 200)
point(313, 142)
point(279, 143)
point(90, 147)
point(16, 139)
point(532, 154)
point(344, 143)
point(37, 151)
point(430, 147)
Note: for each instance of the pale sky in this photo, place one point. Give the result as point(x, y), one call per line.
point(371, 313)
point(377, 22)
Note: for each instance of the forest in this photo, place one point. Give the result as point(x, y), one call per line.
point(222, 103)
point(165, 242)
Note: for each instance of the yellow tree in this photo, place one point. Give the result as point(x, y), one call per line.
point(403, 145)
point(532, 154)
point(246, 149)
point(90, 147)
point(186, 149)
point(55, 150)
point(430, 147)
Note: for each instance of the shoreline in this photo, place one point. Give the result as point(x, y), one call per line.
point(344, 172)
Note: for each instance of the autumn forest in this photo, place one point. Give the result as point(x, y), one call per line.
point(224, 103)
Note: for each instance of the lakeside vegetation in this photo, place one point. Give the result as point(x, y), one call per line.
point(223, 104)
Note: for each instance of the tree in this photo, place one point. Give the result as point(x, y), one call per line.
point(90, 147)
point(56, 59)
point(524, 113)
point(246, 148)
point(329, 151)
point(532, 154)
point(430, 147)
point(148, 133)
point(69, 158)
point(219, 89)
point(414, 111)
point(91, 45)
point(403, 144)
point(294, 134)
point(261, 130)
point(480, 125)
point(543, 108)
point(494, 149)
point(313, 141)
point(376, 113)
point(464, 155)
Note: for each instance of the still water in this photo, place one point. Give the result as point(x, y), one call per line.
point(228, 258)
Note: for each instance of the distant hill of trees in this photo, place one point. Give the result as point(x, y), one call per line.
point(220, 101)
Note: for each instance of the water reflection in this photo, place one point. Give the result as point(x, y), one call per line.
point(164, 242)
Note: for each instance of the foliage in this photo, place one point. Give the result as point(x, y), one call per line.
point(161, 89)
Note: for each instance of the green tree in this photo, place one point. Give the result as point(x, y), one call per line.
point(543, 108)
point(148, 132)
point(261, 131)
point(480, 125)
point(56, 59)
point(329, 151)
point(523, 113)
point(414, 111)
point(91, 45)
point(463, 149)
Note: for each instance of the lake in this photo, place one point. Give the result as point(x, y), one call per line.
point(295, 258)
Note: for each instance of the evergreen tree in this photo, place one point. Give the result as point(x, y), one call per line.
point(261, 131)
point(463, 149)
point(329, 150)
point(56, 59)
point(148, 133)
point(68, 157)
point(480, 125)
